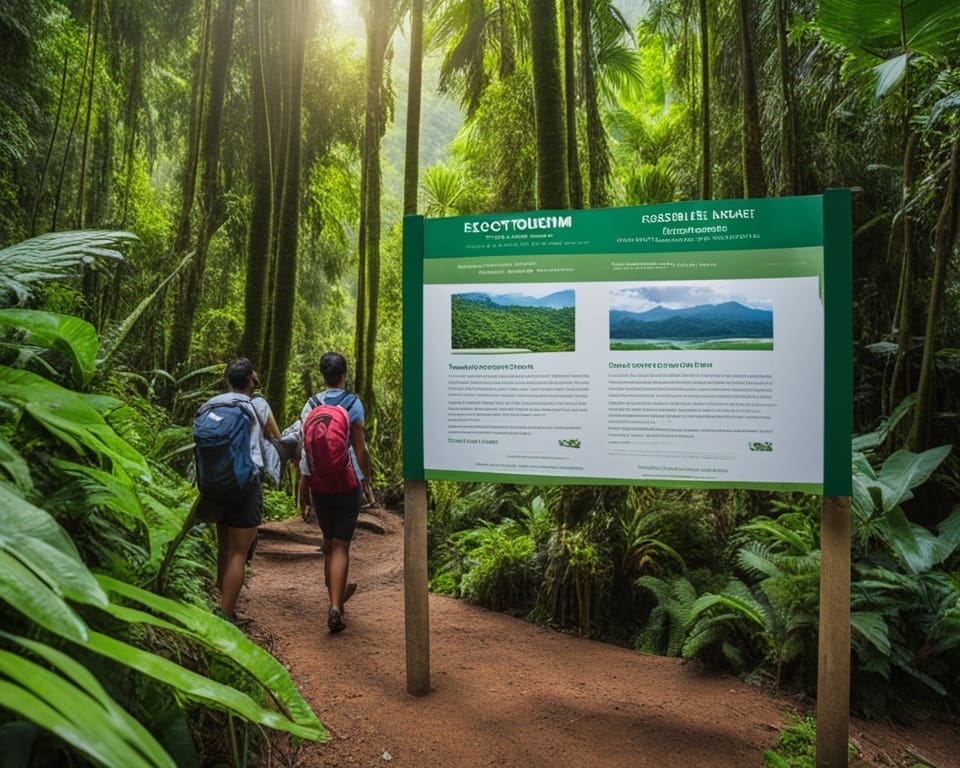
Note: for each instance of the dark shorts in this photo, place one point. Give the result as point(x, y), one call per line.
point(337, 513)
point(243, 513)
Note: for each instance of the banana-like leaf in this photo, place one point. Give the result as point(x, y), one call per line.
point(218, 635)
point(72, 336)
point(82, 688)
point(112, 491)
point(197, 687)
point(15, 466)
point(52, 256)
point(55, 704)
point(918, 549)
point(904, 470)
point(70, 417)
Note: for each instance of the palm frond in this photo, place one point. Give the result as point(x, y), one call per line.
point(53, 256)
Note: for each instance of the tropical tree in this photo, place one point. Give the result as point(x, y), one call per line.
point(892, 40)
point(553, 183)
point(204, 162)
point(380, 18)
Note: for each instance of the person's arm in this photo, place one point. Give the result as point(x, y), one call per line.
point(270, 430)
point(358, 441)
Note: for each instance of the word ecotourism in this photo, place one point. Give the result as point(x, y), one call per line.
point(518, 225)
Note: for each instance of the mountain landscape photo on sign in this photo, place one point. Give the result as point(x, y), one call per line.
point(681, 317)
point(517, 322)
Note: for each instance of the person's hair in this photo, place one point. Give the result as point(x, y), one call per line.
point(333, 367)
point(239, 372)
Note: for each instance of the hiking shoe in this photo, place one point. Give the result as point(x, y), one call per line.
point(335, 621)
point(232, 618)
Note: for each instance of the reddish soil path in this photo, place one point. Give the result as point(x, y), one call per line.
point(507, 693)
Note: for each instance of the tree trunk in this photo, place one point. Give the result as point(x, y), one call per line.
point(260, 239)
point(190, 290)
point(598, 152)
point(508, 58)
point(411, 160)
point(175, 356)
point(570, 104)
point(946, 238)
point(49, 153)
point(754, 184)
point(789, 176)
point(96, 11)
point(553, 191)
point(706, 186)
point(379, 18)
point(903, 313)
point(285, 257)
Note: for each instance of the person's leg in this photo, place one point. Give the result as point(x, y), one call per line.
point(336, 568)
point(221, 553)
point(238, 545)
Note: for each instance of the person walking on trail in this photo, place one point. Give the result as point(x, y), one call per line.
point(237, 512)
point(337, 486)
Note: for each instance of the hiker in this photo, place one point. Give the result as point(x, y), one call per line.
point(238, 508)
point(336, 487)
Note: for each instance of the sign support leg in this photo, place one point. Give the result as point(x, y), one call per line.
point(833, 669)
point(415, 593)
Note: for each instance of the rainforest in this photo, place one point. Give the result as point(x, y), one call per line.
point(183, 183)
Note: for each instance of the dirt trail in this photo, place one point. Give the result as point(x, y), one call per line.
point(505, 692)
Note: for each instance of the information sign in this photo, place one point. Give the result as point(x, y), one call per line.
point(679, 345)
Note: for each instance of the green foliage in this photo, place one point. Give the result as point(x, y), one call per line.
point(483, 325)
point(63, 448)
point(797, 745)
point(497, 146)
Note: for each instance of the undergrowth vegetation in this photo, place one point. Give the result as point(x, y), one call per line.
point(727, 578)
point(109, 647)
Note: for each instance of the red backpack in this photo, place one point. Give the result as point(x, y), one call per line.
point(326, 443)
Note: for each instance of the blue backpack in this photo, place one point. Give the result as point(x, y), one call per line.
point(221, 449)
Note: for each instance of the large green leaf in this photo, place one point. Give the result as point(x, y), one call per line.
point(918, 548)
point(35, 598)
point(110, 715)
point(904, 470)
point(70, 417)
point(883, 28)
point(18, 517)
point(69, 335)
point(51, 256)
point(218, 635)
point(15, 466)
point(197, 687)
point(57, 705)
point(40, 566)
